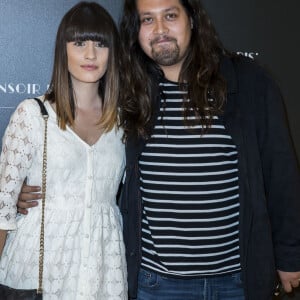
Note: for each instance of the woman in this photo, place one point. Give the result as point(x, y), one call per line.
point(84, 252)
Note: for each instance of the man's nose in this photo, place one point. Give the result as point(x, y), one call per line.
point(160, 27)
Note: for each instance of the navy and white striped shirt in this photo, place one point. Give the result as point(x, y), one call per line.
point(190, 194)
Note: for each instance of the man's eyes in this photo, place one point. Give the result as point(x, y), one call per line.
point(171, 16)
point(146, 20)
point(150, 20)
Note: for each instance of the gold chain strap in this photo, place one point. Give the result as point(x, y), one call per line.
point(44, 185)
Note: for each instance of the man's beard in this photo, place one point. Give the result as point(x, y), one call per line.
point(165, 54)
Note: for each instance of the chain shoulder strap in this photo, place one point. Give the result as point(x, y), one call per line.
point(44, 187)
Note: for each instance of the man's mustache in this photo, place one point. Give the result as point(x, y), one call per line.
point(162, 38)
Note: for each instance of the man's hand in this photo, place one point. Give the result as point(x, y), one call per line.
point(27, 198)
point(289, 280)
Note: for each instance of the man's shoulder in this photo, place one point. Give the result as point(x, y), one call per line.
point(244, 73)
point(242, 66)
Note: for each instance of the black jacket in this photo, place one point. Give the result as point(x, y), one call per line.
point(269, 182)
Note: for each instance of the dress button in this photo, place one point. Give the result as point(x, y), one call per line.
point(87, 236)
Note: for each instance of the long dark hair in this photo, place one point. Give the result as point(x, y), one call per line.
point(85, 21)
point(200, 70)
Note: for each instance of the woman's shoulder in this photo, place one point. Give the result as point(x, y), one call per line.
point(29, 106)
point(27, 112)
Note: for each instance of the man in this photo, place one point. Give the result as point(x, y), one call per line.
point(210, 202)
point(203, 207)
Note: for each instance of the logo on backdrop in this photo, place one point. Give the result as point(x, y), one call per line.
point(251, 55)
point(22, 88)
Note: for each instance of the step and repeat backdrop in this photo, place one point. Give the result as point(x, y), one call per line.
point(264, 30)
point(27, 37)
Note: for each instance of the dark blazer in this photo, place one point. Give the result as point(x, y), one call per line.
point(269, 182)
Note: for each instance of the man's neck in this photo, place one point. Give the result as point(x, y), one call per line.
point(171, 72)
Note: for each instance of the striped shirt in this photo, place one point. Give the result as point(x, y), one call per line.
point(190, 195)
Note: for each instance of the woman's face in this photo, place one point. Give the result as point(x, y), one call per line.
point(87, 61)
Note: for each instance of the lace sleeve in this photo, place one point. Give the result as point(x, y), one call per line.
point(16, 158)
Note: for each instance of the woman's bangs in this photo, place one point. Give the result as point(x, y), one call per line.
point(86, 35)
point(88, 29)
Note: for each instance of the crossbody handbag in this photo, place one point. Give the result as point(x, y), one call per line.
point(7, 293)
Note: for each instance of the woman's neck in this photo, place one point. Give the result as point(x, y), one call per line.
point(86, 96)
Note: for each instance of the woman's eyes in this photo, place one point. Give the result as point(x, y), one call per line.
point(83, 43)
point(99, 44)
point(79, 43)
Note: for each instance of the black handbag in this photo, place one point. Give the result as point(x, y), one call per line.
point(8, 293)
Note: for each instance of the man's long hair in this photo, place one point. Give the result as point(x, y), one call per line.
point(200, 71)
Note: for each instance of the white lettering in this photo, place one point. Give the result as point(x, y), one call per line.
point(10, 88)
point(251, 55)
point(20, 88)
point(36, 88)
point(3, 88)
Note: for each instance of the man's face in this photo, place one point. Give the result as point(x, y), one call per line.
point(165, 31)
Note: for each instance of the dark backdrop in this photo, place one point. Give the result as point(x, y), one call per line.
point(267, 31)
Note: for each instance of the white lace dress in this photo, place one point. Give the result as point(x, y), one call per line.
point(84, 250)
